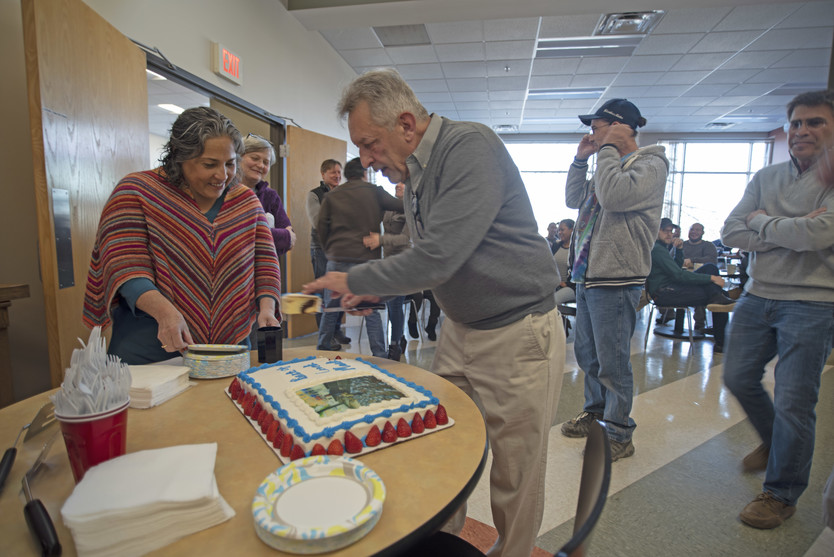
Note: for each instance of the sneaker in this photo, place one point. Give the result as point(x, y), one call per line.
point(341, 338)
point(394, 352)
point(766, 512)
point(335, 347)
point(621, 450)
point(756, 461)
point(578, 427)
point(718, 348)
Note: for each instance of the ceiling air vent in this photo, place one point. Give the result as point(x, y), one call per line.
point(402, 35)
point(719, 125)
point(505, 128)
point(628, 23)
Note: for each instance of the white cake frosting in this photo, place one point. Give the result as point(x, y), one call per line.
point(317, 400)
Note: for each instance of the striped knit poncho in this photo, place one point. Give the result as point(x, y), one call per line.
point(212, 272)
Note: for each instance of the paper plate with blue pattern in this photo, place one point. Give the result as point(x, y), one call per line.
point(212, 361)
point(317, 504)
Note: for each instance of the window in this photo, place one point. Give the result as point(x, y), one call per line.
point(707, 179)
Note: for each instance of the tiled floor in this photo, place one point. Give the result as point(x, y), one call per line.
point(680, 494)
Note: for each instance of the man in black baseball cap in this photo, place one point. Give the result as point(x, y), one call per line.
point(619, 214)
point(617, 110)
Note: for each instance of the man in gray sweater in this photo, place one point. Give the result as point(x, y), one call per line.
point(619, 216)
point(785, 220)
point(476, 246)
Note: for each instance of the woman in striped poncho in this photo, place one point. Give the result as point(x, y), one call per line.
point(184, 254)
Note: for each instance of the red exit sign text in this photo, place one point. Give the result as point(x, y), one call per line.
point(226, 63)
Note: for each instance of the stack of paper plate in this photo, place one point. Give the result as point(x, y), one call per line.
point(317, 504)
point(210, 361)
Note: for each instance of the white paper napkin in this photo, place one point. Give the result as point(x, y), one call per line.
point(152, 385)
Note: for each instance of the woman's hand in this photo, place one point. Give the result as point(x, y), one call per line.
point(172, 329)
point(371, 241)
point(266, 312)
point(292, 236)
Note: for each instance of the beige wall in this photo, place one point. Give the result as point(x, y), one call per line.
point(287, 70)
point(18, 226)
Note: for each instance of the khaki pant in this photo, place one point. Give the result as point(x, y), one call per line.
point(514, 374)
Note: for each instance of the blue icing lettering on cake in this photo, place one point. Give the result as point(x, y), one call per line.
point(317, 401)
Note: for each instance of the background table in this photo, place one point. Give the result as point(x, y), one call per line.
point(426, 479)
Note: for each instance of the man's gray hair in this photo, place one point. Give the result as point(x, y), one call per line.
point(812, 98)
point(387, 95)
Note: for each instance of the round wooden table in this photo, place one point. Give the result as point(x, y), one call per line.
point(427, 479)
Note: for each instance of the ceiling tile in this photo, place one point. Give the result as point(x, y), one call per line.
point(678, 110)
point(754, 60)
point(729, 41)
point(456, 32)
point(507, 95)
point(653, 63)
point(428, 85)
point(612, 65)
point(510, 50)
point(435, 97)
point(753, 89)
point(581, 106)
point(591, 80)
point(638, 78)
point(789, 39)
point(505, 114)
point(468, 114)
point(412, 54)
point(691, 20)
point(469, 96)
point(812, 14)
point(420, 71)
point(367, 57)
point(701, 61)
point(507, 83)
point(568, 26)
point(498, 68)
point(463, 52)
point(679, 43)
point(505, 105)
point(801, 58)
point(541, 104)
point(733, 77)
point(791, 75)
point(713, 90)
point(692, 101)
point(538, 113)
point(550, 81)
point(555, 66)
point(625, 92)
point(667, 90)
point(510, 29)
point(440, 107)
point(352, 38)
point(729, 100)
point(759, 16)
point(682, 78)
point(464, 69)
point(469, 84)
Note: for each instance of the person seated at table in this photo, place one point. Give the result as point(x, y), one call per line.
point(565, 292)
point(183, 253)
point(670, 285)
point(258, 157)
point(696, 251)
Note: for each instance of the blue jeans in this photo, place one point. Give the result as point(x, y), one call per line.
point(800, 333)
point(319, 259)
point(605, 320)
point(396, 315)
point(330, 321)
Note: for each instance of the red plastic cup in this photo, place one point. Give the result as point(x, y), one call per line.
point(94, 438)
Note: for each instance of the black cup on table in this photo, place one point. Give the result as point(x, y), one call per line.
point(270, 345)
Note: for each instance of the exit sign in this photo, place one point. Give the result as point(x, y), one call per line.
point(226, 63)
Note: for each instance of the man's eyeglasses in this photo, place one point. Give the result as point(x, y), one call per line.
point(810, 123)
point(594, 129)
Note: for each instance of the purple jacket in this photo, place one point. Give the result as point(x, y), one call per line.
point(271, 202)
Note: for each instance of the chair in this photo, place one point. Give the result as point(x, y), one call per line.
point(566, 309)
point(593, 490)
point(653, 305)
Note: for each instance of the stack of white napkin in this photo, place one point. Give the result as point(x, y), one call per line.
point(142, 501)
point(154, 384)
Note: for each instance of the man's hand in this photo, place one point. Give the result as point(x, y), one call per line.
point(717, 280)
point(586, 147)
point(678, 243)
point(334, 281)
point(816, 213)
point(753, 214)
point(688, 263)
point(371, 241)
point(619, 135)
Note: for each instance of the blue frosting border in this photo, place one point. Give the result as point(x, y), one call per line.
point(298, 430)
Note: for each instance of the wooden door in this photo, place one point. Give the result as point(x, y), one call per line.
point(307, 150)
point(89, 119)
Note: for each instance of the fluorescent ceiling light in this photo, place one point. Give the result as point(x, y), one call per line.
point(590, 46)
point(155, 76)
point(562, 94)
point(171, 108)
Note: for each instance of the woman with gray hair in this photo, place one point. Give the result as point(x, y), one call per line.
point(183, 253)
point(258, 157)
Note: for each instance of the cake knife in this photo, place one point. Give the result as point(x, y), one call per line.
point(37, 517)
